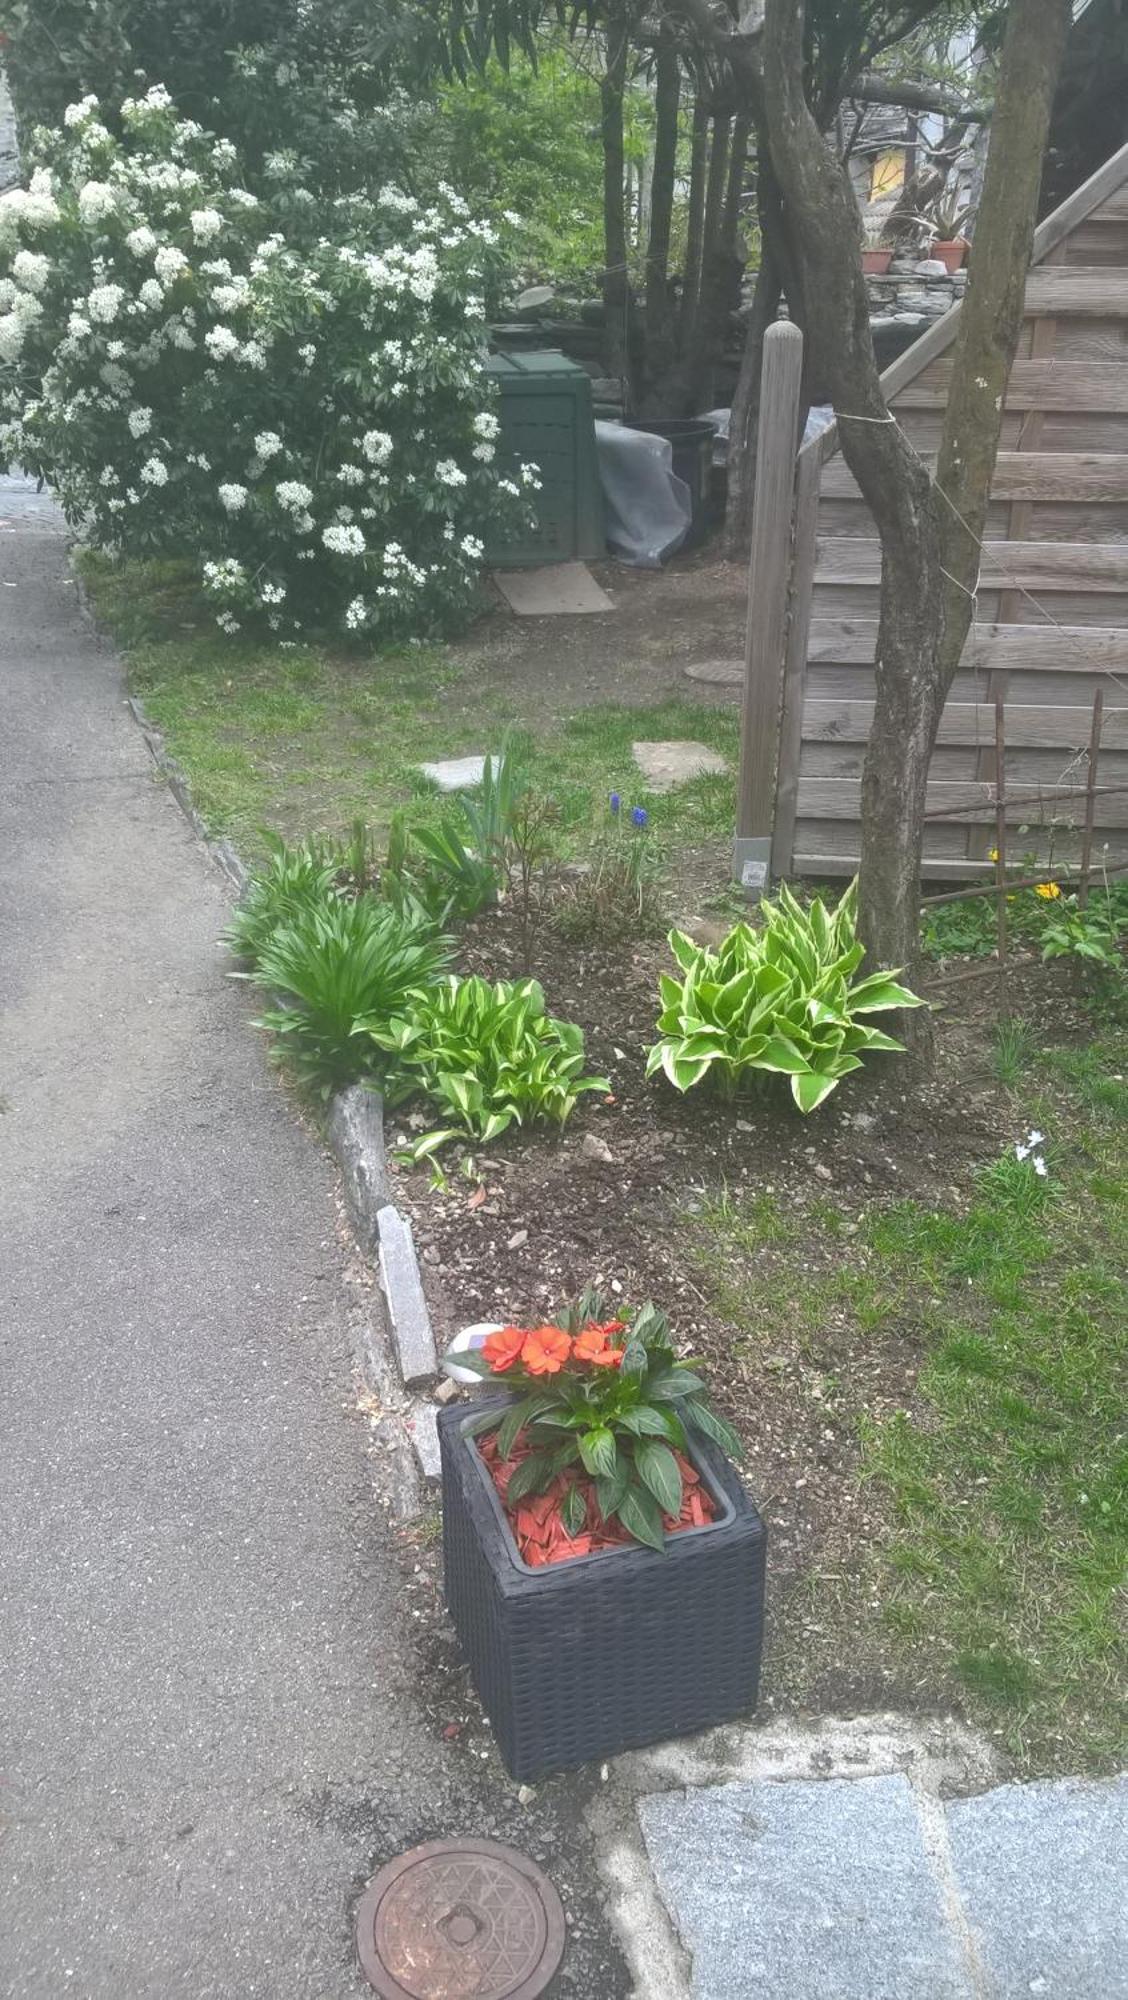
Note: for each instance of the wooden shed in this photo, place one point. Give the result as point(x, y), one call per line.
point(1051, 622)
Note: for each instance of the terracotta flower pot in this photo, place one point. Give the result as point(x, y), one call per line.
point(950, 254)
point(875, 263)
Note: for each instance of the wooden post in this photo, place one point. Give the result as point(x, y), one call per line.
point(768, 577)
point(1091, 798)
point(1001, 835)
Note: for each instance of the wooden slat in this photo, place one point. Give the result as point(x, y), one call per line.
point(1115, 208)
point(1088, 339)
point(1034, 385)
point(1049, 648)
point(970, 722)
point(1026, 475)
point(841, 798)
point(1103, 242)
point(1075, 566)
point(1082, 289)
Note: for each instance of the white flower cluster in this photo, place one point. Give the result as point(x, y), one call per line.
point(170, 345)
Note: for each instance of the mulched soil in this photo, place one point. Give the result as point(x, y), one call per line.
point(612, 1201)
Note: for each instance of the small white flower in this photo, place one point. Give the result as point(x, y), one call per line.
point(168, 263)
point(221, 342)
point(207, 224)
point(80, 113)
point(31, 270)
point(154, 472)
point(1021, 1152)
point(356, 614)
point(253, 353)
point(307, 354)
point(272, 593)
point(377, 447)
point(343, 540)
point(151, 294)
point(472, 547)
point(486, 424)
point(484, 453)
point(104, 303)
point(140, 422)
point(141, 241)
point(233, 497)
point(293, 496)
point(449, 474)
point(95, 201)
point(351, 475)
point(1035, 1138)
point(1040, 1167)
point(268, 444)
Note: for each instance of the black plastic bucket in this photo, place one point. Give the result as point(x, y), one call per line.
point(692, 440)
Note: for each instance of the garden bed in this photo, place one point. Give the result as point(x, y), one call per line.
point(762, 1235)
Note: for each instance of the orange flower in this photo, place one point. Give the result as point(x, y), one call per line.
point(503, 1349)
point(545, 1350)
point(592, 1346)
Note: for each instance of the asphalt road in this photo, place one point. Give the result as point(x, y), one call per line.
point(209, 1730)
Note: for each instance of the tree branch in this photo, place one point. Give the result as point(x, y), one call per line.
point(917, 97)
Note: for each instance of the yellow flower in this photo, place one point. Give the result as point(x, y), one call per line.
point(992, 854)
point(1049, 890)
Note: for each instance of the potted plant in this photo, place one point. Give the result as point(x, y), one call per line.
point(603, 1566)
point(877, 254)
point(946, 217)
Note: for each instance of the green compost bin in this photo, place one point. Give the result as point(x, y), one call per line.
point(546, 419)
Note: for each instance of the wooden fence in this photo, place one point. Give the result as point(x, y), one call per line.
point(1051, 624)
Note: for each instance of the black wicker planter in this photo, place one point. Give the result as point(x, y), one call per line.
point(583, 1659)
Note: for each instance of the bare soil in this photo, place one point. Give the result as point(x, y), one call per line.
point(614, 1200)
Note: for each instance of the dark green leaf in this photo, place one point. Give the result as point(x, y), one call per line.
point(713, 1427)
point(674, 1383)
point(609, 1492)
point(599, 1452)
point(512, 1422)
point(573, 1511)
point(640, 1516)
point(660, 1473)
point(632, 1367)
point(644, 1422)
point(530, 1476)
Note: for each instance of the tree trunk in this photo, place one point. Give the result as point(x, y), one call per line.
point(661, 327)
point(924, 616)
point(616, 286)
point(695, 220)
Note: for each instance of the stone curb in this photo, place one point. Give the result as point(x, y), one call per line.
point(355, 1133)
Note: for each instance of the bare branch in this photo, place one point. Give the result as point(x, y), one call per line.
point(918, 97)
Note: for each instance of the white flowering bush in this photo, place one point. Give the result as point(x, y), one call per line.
point(291, 393)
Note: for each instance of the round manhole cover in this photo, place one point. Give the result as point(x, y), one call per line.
point(460, 1920)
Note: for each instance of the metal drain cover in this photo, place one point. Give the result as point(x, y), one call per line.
point(460, 1920)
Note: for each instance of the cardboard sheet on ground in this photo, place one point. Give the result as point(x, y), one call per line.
point(558, 588)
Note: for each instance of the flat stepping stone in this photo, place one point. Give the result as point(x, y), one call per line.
point(716, 673)
point(1040, 1870)
point(455, 774)
point(667, 765)
point(797, 1891)
point(567, 589)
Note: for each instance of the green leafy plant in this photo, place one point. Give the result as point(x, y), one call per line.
point(1091, 934)
point(295, 879)
point(336, 965)
point(781, 999)
point(488, 1056)
point(604, 1411)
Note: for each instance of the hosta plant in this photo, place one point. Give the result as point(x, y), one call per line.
point(593, 1450)
point(488, 1056)
point(333, 965)
point(780, 999)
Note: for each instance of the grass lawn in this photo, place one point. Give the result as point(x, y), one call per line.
point(308, 740)
point(994, 1568)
